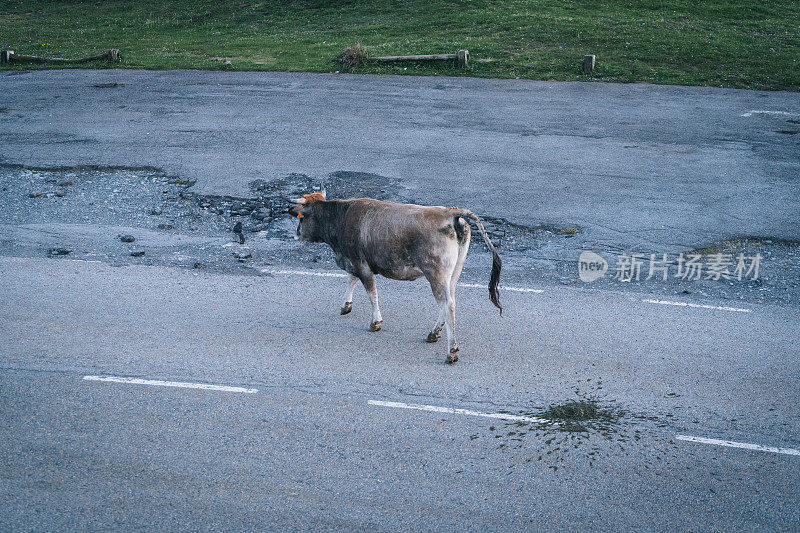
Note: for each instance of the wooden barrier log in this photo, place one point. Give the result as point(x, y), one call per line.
point(429, 57)
point(462, 56)
point(9, 55)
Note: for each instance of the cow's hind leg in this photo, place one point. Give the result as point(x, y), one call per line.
point(450, 327)
point(436, 332)
point(348, 296)
point(447, 308)
point(463, 232)
point(372, 291)
point(447, 312)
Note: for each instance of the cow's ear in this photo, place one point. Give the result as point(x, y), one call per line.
point(294, 210)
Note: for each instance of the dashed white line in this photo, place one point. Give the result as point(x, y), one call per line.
point(512, 289)
point(702, 306)
point(504, 288)
point(764, 112)
point(450, 410)
point(742, 445)
point(179, 384)
point(304, 273)
point(536, 420)
point(83, 260)
point(343, 275)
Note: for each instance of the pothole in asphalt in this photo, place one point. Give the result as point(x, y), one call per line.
point(746, 244)
point(135, 196)
point(264, 210)
point(771, 264)
point(72, 207)
point(512, 237)
point(183, 223)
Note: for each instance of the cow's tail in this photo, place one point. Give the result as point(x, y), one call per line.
point(497, 263)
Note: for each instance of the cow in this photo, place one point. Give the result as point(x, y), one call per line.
point(397, 241)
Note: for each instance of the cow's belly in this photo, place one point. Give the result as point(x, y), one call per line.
point(403, 273)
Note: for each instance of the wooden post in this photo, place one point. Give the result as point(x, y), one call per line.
point(463, 57)
point(5, 56)
point(588, 64)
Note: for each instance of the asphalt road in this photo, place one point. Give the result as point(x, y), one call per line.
point(636, 165)
point(305, 438)
point(308, 450)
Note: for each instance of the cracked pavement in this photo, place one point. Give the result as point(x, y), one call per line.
point(633, 168)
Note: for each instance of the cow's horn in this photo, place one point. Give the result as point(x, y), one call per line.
point(299, 200)
point(324, 192)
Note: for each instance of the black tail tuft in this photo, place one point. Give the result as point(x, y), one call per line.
point(497, 263)
point(494, 281)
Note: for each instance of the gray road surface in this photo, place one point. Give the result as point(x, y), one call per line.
point(177, 159)
point(308, 450)
point(636, 165)
point(636, 168)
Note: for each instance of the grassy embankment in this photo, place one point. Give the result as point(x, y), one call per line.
point(743, 44)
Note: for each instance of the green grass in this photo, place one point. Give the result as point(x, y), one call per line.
point(739, 43)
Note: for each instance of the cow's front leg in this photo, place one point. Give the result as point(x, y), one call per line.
point(348, 296)
point(372, 292)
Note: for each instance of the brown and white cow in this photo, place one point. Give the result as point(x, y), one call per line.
point(398, 241)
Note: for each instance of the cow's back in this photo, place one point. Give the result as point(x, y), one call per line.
point(395, 240)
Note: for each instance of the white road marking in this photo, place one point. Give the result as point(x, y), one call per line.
point(535, 420)
point(304, 273)
point(512, 289)
point(743, 445)
point(763, 112)
point(343, 275)
point(450, 410)
point(702, 306)
point(504, 288)
point(179, 384)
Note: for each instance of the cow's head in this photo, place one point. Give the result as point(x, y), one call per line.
point(308, 227)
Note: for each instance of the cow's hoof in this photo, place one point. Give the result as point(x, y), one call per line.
point(433, 337)
point(452, 357)
point(348, 306)
point(376, 326)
